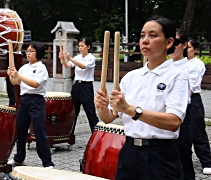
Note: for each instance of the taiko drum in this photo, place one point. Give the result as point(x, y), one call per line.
point(11, 28)
point(8, 131)
point(102, 150)
point(60, 118)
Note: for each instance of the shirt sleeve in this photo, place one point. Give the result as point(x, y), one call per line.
point(41, 74)
point(90, 62)
point(194, 78)
point(178, 93)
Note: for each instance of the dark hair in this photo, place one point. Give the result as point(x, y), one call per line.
point(87, 41)
point(183, 37)
point(39, 47)
point(168, 28)
point(194, 43)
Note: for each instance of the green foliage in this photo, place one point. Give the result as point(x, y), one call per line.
point(208, 123)
point(206, 59)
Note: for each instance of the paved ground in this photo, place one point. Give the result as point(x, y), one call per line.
point(69, 160)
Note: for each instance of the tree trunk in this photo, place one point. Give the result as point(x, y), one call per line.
point(188, 16)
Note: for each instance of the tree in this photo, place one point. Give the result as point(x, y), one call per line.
point(188, 16)
point(93, 17)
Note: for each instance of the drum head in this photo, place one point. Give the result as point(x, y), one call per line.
point(38, 173)
point(11, 28)
point(57, 94)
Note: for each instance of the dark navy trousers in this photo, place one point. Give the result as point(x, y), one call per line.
point(200, 138)
point(156, 162)
point(32, 108)
point(184, 144)
point(83, 93)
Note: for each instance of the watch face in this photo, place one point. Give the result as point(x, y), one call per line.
point(138, 110)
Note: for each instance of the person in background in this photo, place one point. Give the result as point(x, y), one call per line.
point(200, 139)
point(185, 140)
point(32, 78)
point(152, 103)
point(82, 90)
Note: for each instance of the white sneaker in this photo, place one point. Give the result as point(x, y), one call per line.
point(14, 163)
point(207, 171)
point(49, 167)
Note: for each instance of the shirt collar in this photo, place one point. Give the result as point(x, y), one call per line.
point(35, 64)
point(160, 70)
point(181, 62)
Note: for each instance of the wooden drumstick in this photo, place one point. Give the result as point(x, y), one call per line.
point(11, 56)
point(66, 41)
point(105, 62)
point(60, 43)
point(116, 63)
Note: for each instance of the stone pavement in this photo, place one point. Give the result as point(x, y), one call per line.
point(69, 160)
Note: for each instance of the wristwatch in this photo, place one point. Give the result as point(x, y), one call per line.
point(138, 113)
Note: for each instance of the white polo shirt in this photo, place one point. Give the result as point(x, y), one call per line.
point(198, 64)
point(193, 73)
point(86, 74)
point(36, 72)
point(164, 89)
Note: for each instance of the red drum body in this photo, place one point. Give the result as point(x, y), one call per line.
point(11, 28)
point(8, 130)
point(60, 118)
point(101, 154)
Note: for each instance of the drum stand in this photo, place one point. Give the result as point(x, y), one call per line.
point(70, 140)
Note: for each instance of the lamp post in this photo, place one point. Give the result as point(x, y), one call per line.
point(7, 2)
point(126, 29)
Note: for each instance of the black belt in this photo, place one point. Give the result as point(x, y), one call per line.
point(148, 142)
point(83, 82)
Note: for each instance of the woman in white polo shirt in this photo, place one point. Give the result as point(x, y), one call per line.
point(200, 139)
point(152, 103)
point(32, 78)
point(82, 91)
point(185, 140)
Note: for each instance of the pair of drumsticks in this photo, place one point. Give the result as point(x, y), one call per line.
point(105, 62)
point(60, 42)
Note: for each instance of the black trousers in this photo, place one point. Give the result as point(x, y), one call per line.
point(200, 138)
point(83, 93)
point(10, 91)
point(158, 162)
point(184, 144)
point(32, 108)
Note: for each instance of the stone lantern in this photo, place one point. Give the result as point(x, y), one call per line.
point(61, 75)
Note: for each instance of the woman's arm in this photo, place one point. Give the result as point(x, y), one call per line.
point(77, 63)
point(17, 78)
point(162, 120)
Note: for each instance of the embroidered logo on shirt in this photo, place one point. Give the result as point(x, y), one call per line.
point(34, 71)
point(161, 86)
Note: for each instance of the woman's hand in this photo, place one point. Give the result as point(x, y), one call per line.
point(9, 71)
point(14, 72)
point(61, 57)
point(68, 56)
point(117, 101)
point(101, 99)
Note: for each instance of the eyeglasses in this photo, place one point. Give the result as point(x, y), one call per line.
point(30, 51)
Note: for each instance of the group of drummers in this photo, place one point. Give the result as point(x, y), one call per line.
point(159, 103)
